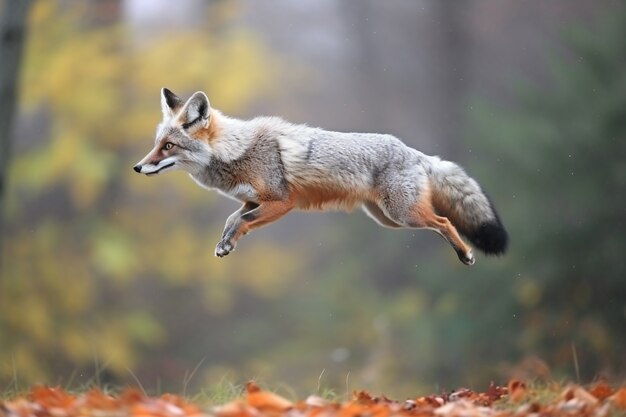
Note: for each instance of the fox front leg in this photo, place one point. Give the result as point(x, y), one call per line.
point(224, 247)
point(248, 218)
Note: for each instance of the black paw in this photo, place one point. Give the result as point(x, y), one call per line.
point(224, 248)
point(467, 258)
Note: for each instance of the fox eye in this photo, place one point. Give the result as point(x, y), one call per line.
point(168, 146)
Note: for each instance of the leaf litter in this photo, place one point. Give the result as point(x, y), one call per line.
point(514, 400)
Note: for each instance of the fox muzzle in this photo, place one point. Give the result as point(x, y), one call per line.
point(153, 169)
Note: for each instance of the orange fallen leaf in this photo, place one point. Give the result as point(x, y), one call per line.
point(131, 396)
point(265, 400)
point(516, 390)
point(233, 409)
point(251, 386)
point(579, 393)
point(52, 397)
point(601, 390)
point(495, 392)
point(619, 398)
point(380, 410)
point(141, 409)
point(181, 403)
point(430, 401)
point(98, 400)
point(599, 401)
point(363, 397)
point(352, 409)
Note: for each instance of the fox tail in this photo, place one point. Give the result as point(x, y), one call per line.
point(458, 197)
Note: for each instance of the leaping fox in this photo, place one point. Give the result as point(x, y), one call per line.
point(273, 166)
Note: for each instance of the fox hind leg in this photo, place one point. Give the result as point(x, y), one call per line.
point(421, 214)
point(376, 213)
point(444, 228)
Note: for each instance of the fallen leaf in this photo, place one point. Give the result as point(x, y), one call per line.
point(98, 400)
point(265, 400)
point(233, 409)
point(601, 390)
point(516, 390)
point(619, 398)
point(251, 387)
point(495, 392)
point(52, 397)
point(316, 401)
point(574, 401)
point(576, 392)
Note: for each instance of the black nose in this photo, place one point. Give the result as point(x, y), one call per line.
point(137, 168)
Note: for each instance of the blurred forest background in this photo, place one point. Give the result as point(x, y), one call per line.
point(106, 273)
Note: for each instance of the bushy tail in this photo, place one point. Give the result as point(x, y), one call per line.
point(459, 198)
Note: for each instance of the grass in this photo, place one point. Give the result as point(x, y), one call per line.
point(535, 396)
point(222, 392)
point(537, 392)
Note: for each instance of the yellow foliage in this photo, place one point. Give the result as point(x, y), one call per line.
point(22, 365)
point(114, 254)
point(77, 345)
point(85, 226)
point(219, 299)
point(266, 270)
point(112, 346)
point(35, 317)
point(145, 329)
point(232, 72)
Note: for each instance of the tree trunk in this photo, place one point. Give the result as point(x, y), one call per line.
point(12, 34)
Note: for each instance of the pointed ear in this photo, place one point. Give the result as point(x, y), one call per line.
point(195, 113)
point(170, 103)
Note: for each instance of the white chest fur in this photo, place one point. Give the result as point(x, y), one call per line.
point(242, 192)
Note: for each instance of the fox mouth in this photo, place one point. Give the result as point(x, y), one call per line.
point(161, 169)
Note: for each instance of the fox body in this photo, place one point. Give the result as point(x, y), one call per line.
point(273, 167)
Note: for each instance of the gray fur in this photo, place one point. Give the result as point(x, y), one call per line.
point(467, 198)
point(268, 160)
point(262, 158)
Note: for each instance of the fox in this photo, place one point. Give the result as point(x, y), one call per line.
point(272, 167)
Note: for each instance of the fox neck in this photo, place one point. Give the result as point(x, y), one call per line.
point(227, 137)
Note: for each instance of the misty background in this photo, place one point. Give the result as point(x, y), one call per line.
point(108, 276)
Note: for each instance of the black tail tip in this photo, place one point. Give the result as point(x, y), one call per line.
point(491, 238)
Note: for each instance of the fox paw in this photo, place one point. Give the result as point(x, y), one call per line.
point(224, 248)
point(467, 258)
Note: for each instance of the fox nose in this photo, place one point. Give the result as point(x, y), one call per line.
point(137, 168)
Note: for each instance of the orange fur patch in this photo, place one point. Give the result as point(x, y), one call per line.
point(422, 212)
point(259, 185)
point(322, 197)
point(424, 215)
point(444, 207)
point(212, 131)
point(267, 212)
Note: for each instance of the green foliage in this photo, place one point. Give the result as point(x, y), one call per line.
point(557, 149)
point(222, 392)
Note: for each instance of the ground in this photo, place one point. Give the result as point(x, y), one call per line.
point(517, 399)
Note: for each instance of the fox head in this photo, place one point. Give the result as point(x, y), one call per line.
point(177, 144)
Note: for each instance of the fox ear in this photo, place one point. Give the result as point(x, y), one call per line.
point(170, 103)
point(195, 113)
